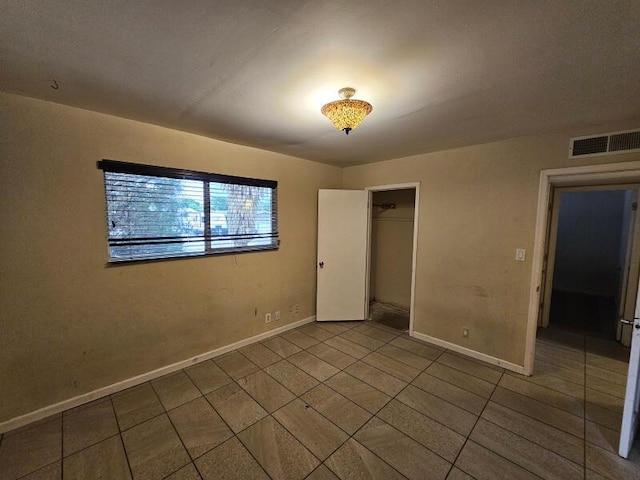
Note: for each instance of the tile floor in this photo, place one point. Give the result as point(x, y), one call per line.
point(350, 401)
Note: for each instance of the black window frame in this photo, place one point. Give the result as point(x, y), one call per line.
point(120, 167)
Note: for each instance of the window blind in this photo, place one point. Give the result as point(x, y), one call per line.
point(160, 212)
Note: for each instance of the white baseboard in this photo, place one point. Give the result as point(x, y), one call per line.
point(47, 411)
point(470, 353)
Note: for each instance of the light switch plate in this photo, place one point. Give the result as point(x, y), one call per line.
point(520, 254)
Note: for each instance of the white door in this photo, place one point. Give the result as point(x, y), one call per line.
point(342, 254)
point(631, 415)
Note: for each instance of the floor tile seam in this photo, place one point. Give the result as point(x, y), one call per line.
point(265, 408)
point(467, 437)
point(617, 409)
point(415, 439)
point(475, 361)
point(184, 446)
point(282, 384)
point(400, 361)
point(560, 346)
point(596, 379)
point(202, 392)
point(501, 456)
point(606, 369)
point(246, 358)
point(64, 457)
point(546, 403)
point(340, 369)
point(497, 453)
point(520, 376)
point(22, 477)
point(532, 441)
point(486, 400)
point(526, 379)
point(262, 342)
point(468, 372)
point(425, 415)
point(236, 436)
point(126, 456)
point(459, 386)
point(357, 404)
point(606, 393)
point(539, 420)
point(376, 388)
point(388, 373)
point(164, 412)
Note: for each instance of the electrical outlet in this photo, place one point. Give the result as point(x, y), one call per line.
point(465, 332)
point(267, 318)
point(296, 308)
point(276, 315)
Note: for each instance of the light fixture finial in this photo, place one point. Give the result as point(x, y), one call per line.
point(346, 114)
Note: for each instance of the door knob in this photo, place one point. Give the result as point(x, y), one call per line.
point(321, 264)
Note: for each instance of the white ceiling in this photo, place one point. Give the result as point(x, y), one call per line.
point(439, 74)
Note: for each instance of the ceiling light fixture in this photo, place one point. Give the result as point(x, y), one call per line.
point(346, 114)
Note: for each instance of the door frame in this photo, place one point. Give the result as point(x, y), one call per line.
point(599, 174)
point(416, 211)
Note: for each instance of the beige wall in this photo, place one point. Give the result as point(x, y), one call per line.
point(477, 205)
point(68, 323)
point(392, 247)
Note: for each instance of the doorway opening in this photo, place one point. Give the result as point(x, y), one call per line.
point(589, 256)
point(392, 254)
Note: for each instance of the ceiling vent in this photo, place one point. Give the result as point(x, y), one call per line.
point(606, 144)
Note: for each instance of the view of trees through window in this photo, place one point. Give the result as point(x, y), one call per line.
point(157, 217)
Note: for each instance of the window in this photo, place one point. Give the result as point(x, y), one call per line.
point(158, 212)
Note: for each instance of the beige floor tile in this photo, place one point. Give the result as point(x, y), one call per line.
point(591, 475)
point(30, 448)
point(353, 461)
point(88, 426)
point(540, 411)
point(561, 338)
point(154, 449)
point(100, 461)
point(236, 407)
point(433, 435)
point(316, 332)
point(458, 396)
point(322, 473)
point(348, 347)
point(208, 376)
point(430, 352)
point(377, 331)
point(376, 378)
point(602, 436)
point(277, 451)
point(552, 382)
point(136, 405)
point(613, 365)
point(266, 391)
point(334, 327)
point(50, 472)
point(483, 464)
point(236, 365)
point(260, 355)
point(457, 474)
point(358, 391)
point(521, 451)
point(313, 365)
point(337, 408)
point(610, 465)
point(185, 473)
point(611, 388)
point(330, 355)
point(545, 395)
point(392, 366)
point(608, 376)
point(230, 461)
point(313, 430)
point(281, 346)
point(199, 426)
point(606, 348)
point(363, 340)
point(603, 416)
point(560, 354)
point(300, 339)
point(575, 367)
point(291, 377)
point(401, 452)
point(605, 400)
point(481, 370)
point(175, 390)
point(570, 374)
point(404, 356)
point(437, 409)
point(461, 379)
point(541, 434)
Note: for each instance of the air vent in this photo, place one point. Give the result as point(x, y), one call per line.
point(607, 144)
